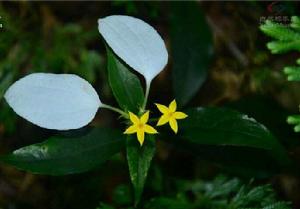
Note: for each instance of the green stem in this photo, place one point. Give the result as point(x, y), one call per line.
point(146, 95)
point(121, 112)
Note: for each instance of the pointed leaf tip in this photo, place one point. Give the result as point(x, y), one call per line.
point(135, 42)
point(54, 101)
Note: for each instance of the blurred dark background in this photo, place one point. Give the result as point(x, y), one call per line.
point(63, 37)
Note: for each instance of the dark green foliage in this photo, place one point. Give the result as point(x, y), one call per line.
point(61, 156)
point(139, 161)
point(6, 78)
point(191, 50)
point(229, 139)
point(122, 195)
point(129, 94)
point(220, 126)
point(220, 193)
point(68, 53)
point(7, 74)
point(125, 85)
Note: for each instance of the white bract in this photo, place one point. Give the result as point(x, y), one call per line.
point(54, 101)
point(135, 42)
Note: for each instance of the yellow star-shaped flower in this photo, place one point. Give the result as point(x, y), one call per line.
point(140, 126)
point(170, 115)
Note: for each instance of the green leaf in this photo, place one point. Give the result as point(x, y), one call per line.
point(224, 127)
point(61, 156)
point(191, 49)
point(125, 85)
point(139, 161)
point(220, 126)
point(268, 112)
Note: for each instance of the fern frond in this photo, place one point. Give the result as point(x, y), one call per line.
point(279, 47)
point(278, 205)
point(292, 72)
point(286, 39)
point(294, 120)
point(295, 22)
point(279, 31)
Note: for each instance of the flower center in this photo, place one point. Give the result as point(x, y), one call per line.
point(140, 125)
point(170, 114)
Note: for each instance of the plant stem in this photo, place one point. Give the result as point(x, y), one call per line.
point(121, 112)
point(146, 95)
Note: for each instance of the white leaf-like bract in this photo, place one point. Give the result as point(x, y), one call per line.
point(136, 43)
point(54, 101)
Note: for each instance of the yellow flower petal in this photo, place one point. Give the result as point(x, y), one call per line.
point(134, 119)
point(150, 130)
point(162, 108)
point(180, 115)
point(173, 124)
point(141, 136)
point(130, 130)
point(173, 106)
point(163, 120)
point(145, 117)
